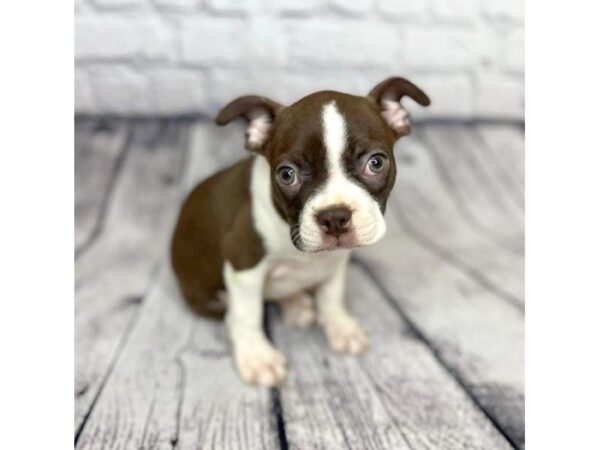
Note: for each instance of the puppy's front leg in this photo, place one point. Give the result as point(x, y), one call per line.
point(343, 331)
point(256, 359)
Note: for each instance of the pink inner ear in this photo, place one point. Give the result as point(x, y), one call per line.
point(395, 115)
point(258, 129)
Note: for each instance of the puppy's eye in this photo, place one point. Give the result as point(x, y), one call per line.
point(287, 175)
point(375, 164)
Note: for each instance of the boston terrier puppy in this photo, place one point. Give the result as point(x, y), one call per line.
point(280, 224)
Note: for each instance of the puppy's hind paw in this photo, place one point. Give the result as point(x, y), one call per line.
point(346, 336)
point(299, 311)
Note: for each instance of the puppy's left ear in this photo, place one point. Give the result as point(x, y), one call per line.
point(259, 113)
point(387, 96)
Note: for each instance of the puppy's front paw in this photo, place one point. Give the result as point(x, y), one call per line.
point(258, 362)
point(346, 336)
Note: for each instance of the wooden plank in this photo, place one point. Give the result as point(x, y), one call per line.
point(175, 387)
point(174, 384)
point(396, 396)
point(422, 202)
point(212, 148)
point(506, 145)
point(113, 276)
point(99, 146)
point(474, 332)
point(161, 356)
point(473, 182)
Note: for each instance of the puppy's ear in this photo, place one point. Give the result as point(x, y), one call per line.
point(259, 112)
point(387, 96)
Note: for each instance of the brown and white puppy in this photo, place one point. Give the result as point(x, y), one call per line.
point(280, 225)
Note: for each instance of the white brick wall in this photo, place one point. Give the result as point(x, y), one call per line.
point(149, 57)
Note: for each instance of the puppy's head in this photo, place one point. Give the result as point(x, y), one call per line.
point(331, 158)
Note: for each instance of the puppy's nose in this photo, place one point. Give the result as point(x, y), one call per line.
point(334, 221)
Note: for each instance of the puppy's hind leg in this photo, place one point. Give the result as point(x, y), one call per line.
point(299, 310)
point(202, 303)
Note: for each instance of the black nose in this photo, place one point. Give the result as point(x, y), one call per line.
point(334, 221)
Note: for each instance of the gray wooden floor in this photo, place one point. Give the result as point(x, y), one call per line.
point(442, 298)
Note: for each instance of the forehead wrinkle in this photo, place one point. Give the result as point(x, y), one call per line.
point(334, 136)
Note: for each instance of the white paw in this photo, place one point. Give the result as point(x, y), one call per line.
point(299, 311)
point(346, 336)
point(258, 362)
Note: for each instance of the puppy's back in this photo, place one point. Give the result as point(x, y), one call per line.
point(205, 218)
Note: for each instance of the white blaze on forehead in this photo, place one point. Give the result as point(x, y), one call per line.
point(339, 189)
point(334, 135)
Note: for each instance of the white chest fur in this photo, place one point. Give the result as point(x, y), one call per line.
point(287, 270)
point(290, 274)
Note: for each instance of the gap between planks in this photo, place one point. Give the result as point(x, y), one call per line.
point(450, 244)
point(111, 181)
point(133, 319)
point(276, 395)
point(367, 270)
point(433, 139)
point(95, 377)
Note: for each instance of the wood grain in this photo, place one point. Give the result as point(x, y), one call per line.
point(441, 297)
point(505, 147)
point(113, 276)
point(212, 148)
point(476, 184)
point(474, 332)
point(396, 396)
point(173, 384)
point(423, 204)
point(99, 147)
point(175, 387)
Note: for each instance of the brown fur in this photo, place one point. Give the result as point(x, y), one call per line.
point(215, 224)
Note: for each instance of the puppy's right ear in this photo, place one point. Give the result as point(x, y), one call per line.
point(387, 96)
point(260, 114)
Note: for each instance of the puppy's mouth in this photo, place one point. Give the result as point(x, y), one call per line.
point(328, 242)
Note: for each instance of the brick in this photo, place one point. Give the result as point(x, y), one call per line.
point(499, 96)
point(225, 84)
point(232, 6)
point(296, 7)
point(325, 44)
point(120, 90)
point(282, 85)
point(177, 91)
point(309, 80)
point(354, 7)
point(457, 11)
point(84, 101)
point(264, 42)
point(513, 52)
point(506, 10)
point(403, 9)
point(119, 4)
point(177, 5)
point(223, 41)
point(448, 48)
point(451, 96)
point(128, 61)
point(119, 38)
point(211, 41)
